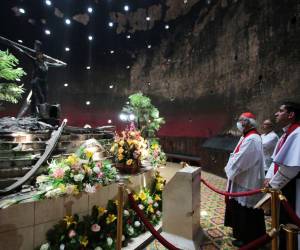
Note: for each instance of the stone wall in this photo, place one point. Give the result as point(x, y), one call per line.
point(213, 63)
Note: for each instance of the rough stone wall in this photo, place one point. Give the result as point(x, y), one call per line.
point(244, 53)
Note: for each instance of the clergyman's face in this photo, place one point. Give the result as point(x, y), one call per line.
point(282, 116)
point(267, 126)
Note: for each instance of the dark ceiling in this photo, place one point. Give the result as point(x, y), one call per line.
point(145, 23)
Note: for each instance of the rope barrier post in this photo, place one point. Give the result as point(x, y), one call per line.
point(120, 216)
point(275, 202)
point(291, 232)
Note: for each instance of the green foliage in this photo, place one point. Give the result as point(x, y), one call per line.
point(98, 230)
point(146, 115)
point(10, 91)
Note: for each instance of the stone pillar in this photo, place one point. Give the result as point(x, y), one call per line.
point(181, 209)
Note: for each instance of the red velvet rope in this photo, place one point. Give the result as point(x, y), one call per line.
point(146, 222)
point(237, 194)
point(291, 212)
point(257, 243)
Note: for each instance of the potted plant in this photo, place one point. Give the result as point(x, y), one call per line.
point(145, 114)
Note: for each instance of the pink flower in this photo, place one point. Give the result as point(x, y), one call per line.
point(58, 173)
point(95, 228)
point(99, 175)
point(99, 164)
point(72, 233)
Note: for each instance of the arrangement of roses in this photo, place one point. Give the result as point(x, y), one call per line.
point(98, 230)
point(74, 174)
point(129, 147)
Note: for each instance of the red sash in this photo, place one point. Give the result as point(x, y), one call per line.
point(291, 128)
point(237, 149)
point(251, 132)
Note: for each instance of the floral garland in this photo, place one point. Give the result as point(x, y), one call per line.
point(98, 230)
point(77, 173)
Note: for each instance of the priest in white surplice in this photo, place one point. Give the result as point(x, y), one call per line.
point(269, 141)
point(284, 172)
point(245, 172)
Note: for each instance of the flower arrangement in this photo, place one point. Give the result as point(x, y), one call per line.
point(77, 173)
point(98, 230)
point(156, 155)
point(130, 148)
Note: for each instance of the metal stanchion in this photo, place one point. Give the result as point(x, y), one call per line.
point(120, 216)
point(291, 233)
point(275, 216)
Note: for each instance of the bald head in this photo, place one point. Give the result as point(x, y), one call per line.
point(267, 126)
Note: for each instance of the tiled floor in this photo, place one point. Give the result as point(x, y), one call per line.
point(212, 212)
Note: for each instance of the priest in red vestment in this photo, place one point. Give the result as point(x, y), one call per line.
point(245, 172)
point(284, 173)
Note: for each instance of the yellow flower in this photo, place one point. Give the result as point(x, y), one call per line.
point(120, 157)
point(101, 211)
point(84, 240)
point(132, 134)
point(121, 143)
point(72, 159)
point(150, 209)
point(110, 218)
point(116, 202)
point(87, 169)
point(129, 142)
point(135, 197)
point(120, 150)
point(112, 149)
point(159, 186)
point(69, 220)
point(154, 146)
point(62, 187)
point(88, 154)
point(129, 162)
point(157, 197)
point(75, 191)
point(142, 195)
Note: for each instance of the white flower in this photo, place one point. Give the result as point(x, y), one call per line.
point(137, 223)
point(66, 168)
point(150, 201)
point(98, 248)
point(96, 170)
point(126, 212)
point(158, 213)
point(89, 188)
point(61, 247)
point(45, 246)
point(109, 241)
point(78, 177)
point(130, 230)
point(155, 204)
point(42, 178)
point(141, 206)
point(54, 193)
